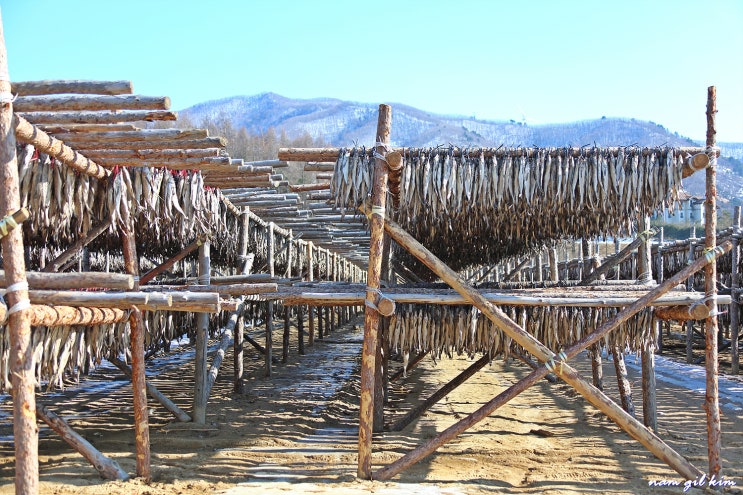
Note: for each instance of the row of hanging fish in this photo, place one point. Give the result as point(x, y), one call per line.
point(167, 207)
point(63, 353)
point(450, 330)
point(508, 202)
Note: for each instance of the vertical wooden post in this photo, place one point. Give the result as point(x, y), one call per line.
point(289, 255)
point(735, 305)
point(647, 355)
point(246, 268)
point(659, 276)
point(285, 341)
point(200, 396)
point(711, 401)
point(689, 287)
point(137, 331)
point(269, 338)
point(20, 359)
point(625, 390)
point(538, 262)
point(594, 351)
point(311, 309)
point(644, 265)
point(554, 273)
point(321, 325)
point(287, 309)
point(371, 316)
point(239, 347)
point(300, 330)
point(271, 249)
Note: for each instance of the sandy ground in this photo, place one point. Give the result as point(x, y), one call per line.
point(295, 432)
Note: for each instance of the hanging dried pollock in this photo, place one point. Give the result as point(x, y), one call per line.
point(64, 353)
point(450, 330)
point(169, 208)
point(510, 202)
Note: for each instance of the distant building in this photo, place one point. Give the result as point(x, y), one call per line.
point(689, 211)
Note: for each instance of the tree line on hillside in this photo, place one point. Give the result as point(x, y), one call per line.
point(244, 144)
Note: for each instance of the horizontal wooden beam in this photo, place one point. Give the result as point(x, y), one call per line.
point(320, 167)
point(48, 316)
point(133, 136)
point(320, 186)
point(696, 311)
point(82, 128)
point(164, 154)
point(331, 154)
point(25, 132)
point(222, 289)
point(124, 300)
point(210, 142)
point(174, 163)
point(319, 297)
point(90, 103)
point(77, 280)
point(73, 86)
point(103, 117)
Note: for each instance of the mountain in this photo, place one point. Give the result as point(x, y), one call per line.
point(344, 123)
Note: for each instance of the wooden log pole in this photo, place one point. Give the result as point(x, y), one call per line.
point(168, 264)
point(566, 372)
point(26, 133)
point(238, 353)
point(137, 338)
point(202, 335)
point(554, 273)
point(77, 247)
point(647, 354)
point(649, 394)
point(245, 268)
point(224, 342)
point(285, 337)
point(45, 315)
point(72, 86)
point(268, 355)
point(424, 406)
point(300, 330)
point(108, 468)
point(696, 311)
point(371, 317)
point(328, 155)
point(78, 280)
point(153, 392)
point(625, 389)
point(311, 309)
point(690, 323)
point(103, 117)
point(20, 359)
point(90, 103)
point(712, 400)
point(735, 304)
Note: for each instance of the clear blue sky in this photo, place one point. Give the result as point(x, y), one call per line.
point(545, 61)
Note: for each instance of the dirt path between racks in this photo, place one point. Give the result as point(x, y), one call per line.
point(296, 432)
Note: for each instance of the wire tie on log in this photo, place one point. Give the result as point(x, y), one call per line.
point(552, 365)
point(7, 97)
point(647, 234)
point(378, 210)
point(7, 224)
point(19, 306)
point(16, 287)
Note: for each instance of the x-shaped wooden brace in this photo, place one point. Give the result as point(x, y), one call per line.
point(552, 362)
